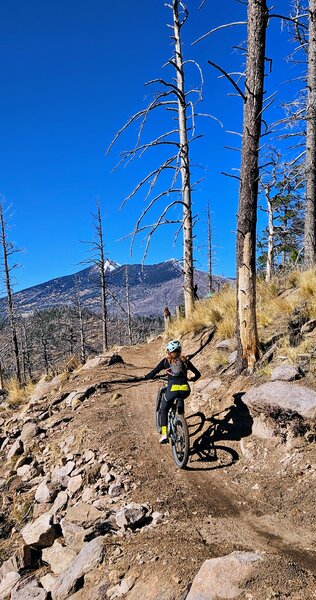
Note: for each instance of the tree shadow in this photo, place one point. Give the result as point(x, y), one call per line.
point(231, 424)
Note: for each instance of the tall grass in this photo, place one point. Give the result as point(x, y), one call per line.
point(18, 394)
point(276, 301)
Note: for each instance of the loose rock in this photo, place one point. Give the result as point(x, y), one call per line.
point(8, 583)
point(131, 516)
point(58, 557)
point(223, 577)
point(286, 373)
point(30, 591)
point(16, 449)
point(88, 558)
point(41, 533)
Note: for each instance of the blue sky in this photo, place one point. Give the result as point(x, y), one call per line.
point(72, 73)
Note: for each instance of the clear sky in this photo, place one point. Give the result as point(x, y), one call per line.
point(72, 73)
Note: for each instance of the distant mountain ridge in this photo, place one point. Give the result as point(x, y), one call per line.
point(152, 287)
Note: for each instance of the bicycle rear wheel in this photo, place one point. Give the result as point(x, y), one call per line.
point(157, 412)
point(180, 442)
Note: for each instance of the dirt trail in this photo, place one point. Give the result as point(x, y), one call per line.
point(213, 507)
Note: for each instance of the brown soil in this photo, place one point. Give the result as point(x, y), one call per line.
point(250, 494)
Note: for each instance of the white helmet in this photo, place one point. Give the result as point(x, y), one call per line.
point(173, 346)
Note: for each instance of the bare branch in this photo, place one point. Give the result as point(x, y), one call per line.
point(217, 29)
point(229, 175)
point(229, 78)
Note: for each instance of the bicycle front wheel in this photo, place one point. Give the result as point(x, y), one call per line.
point(180, 442)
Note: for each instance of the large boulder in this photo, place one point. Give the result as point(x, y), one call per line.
point(104, 360)
point(88, 558)
point(281, 394)
point(286, 373)
point(223, 577)
point(41, 533)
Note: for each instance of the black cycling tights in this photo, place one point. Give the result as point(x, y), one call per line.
point(166, 399)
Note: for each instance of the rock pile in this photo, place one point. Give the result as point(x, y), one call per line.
point(75, 503)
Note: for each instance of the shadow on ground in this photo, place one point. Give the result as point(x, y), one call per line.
point(206, 433)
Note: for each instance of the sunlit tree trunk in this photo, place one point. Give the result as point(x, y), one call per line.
point(269, 266)
point(128, 308)
point(310, 212)
point(247, 335)
point(209, 248)
point(188, 285)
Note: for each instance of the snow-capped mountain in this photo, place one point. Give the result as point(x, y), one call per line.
point(152, 287)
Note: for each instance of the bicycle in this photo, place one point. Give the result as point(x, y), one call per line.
point(178, 432)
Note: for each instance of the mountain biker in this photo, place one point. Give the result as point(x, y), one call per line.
point(176, 366)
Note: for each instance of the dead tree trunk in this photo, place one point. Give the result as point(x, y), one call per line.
point(27, 353)
point(270, 250)
point(310, 211)
point(188, 285)
point(247, 335)
point(81, 329)
point(7, 249)
point(128, 310)
point(101, 264)
point(209, 249)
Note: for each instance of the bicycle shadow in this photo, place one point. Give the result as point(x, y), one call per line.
point(233, 423)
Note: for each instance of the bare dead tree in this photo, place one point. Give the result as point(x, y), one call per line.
point(8, 250)
point(98, 259)
point(128, 307)
point(310, 212)
point(177, 103)
point(268, 182)
point(209, 249)
point(247, 335)
point(42, 333)
point(78, 304)
point(26, 352)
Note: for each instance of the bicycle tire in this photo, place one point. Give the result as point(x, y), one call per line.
point(181, 443)
point(157, 413)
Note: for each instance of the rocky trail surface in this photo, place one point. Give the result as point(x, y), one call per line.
point(106, 513)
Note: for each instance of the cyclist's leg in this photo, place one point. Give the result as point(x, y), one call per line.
point(164, 407)
point(181, 396)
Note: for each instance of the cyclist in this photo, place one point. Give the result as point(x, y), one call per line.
point(176, 366)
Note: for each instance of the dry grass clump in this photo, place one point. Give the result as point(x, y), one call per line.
point(276, 302)
point(220, 311)
point(219, 358)
point(272, 308)
point(307, 291)
point(293, 353)
point(18, 394)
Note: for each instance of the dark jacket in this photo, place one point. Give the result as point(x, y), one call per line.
point(179, 379)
